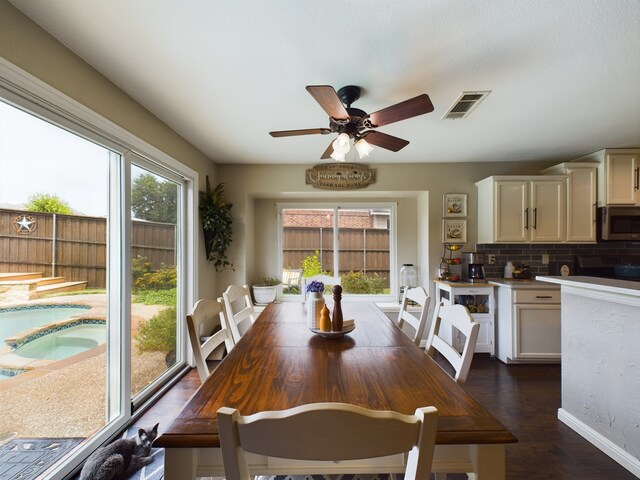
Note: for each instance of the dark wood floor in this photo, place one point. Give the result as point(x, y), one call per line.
point(525, 398)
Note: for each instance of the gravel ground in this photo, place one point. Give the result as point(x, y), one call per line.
point(69, 402)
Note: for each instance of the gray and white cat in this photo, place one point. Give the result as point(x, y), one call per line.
point(121, 458)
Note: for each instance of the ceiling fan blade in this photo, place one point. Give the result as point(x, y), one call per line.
point(327, 153)
point(328, 99)
point(307, 131)
point(383, 140)
point(401, 111)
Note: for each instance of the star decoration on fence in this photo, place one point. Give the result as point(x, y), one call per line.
point(24, 224)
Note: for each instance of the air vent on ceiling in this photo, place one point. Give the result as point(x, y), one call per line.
point(465, 104)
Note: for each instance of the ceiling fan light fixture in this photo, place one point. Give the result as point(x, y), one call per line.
point(341, 144)
point(363, 148)
point(338, 157)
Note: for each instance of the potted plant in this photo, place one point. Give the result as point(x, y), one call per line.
point(266, 291)
point(216, 219)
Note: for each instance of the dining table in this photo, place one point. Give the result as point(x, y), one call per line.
point(280, 363)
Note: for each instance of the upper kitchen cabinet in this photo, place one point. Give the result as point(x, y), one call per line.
point(618, 176)
point(519, 209)
point(581, 194)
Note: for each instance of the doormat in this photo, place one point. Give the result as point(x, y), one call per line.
point(26, 458)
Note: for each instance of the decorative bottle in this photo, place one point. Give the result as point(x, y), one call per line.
point(508, 270)
point(315, 302)
point(408, 278)
point(336, 321)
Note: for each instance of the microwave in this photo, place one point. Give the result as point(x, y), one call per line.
point(619, 223)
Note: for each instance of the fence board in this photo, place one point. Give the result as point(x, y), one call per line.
point(361, 249)
point(81, 249)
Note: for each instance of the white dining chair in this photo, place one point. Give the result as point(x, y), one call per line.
point(447, 316)
point(419, 296)
point(328, 432)
point(291, 278)
point(239, 311)
point(328, 280)
point(202, 322)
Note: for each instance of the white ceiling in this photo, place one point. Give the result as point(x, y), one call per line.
point(564, 74)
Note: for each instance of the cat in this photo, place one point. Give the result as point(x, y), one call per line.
point(121, 458)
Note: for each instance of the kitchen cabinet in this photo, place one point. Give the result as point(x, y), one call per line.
point(581, 199)
point(618, 175)
point(518, 209)
point(478, 298)
point(527, 321)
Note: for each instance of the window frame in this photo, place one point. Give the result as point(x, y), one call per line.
point(26, 92)
point(336, 207)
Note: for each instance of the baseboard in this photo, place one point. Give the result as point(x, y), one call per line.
point(621, 456)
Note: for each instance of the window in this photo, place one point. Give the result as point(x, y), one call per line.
point(122, 340)
point(352, 242)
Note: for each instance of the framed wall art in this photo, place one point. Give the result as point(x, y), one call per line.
point(454, 205)
point(454, 231)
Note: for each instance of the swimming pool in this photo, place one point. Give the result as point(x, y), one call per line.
point(64, 343)
point(20, 319)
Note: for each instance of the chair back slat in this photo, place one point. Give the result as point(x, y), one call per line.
point(239, 310)
point(204, 318)
point(447, 316)
point(327, 432)
point(419, 296)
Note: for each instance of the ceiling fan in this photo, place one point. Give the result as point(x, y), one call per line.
point(353, 123)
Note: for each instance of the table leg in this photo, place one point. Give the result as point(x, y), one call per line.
point(488, 462)
point(180, 463)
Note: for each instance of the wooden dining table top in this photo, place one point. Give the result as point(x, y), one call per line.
point(279, 363)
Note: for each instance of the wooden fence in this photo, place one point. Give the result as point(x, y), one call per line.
point(361, 249)
point(75, 247)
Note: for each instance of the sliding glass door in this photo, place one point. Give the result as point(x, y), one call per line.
point(96, 270)
point(156, 250)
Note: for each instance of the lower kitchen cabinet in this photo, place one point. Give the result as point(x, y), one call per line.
point(527, 321)
point(478, 298)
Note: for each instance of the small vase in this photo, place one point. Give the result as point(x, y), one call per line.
point(314, 304)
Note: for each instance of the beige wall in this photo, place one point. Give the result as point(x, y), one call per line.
point(254, 189)
point(417, 189)
point(27, 46)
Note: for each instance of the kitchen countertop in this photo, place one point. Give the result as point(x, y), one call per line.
point(462, 283)
point(521, 283)
point(611, 285)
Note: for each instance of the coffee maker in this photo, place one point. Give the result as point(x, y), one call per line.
point(474, 271)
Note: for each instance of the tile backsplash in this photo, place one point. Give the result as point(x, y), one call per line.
point(531, 254)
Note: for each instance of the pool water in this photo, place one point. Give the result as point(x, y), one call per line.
point(64, 343)
point(14, 321)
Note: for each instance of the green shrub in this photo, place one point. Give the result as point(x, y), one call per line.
point(140, 266)
point(158, 334)
point(157, 297)
point(47, 203)
point(311, 265)
point(163, 279)
point(360, 282)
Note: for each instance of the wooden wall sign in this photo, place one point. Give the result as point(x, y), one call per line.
point(340, 176)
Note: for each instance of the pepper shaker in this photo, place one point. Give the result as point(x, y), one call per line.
point(337, 309)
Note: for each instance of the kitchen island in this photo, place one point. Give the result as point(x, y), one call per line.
point(601, 364)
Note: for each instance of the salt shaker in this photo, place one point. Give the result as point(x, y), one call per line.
point(325, 320)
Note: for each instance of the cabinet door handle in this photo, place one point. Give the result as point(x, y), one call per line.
point(526, 219)
point(637, 182)
point(535, 218)
point(544, 296)
point(595, 213)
